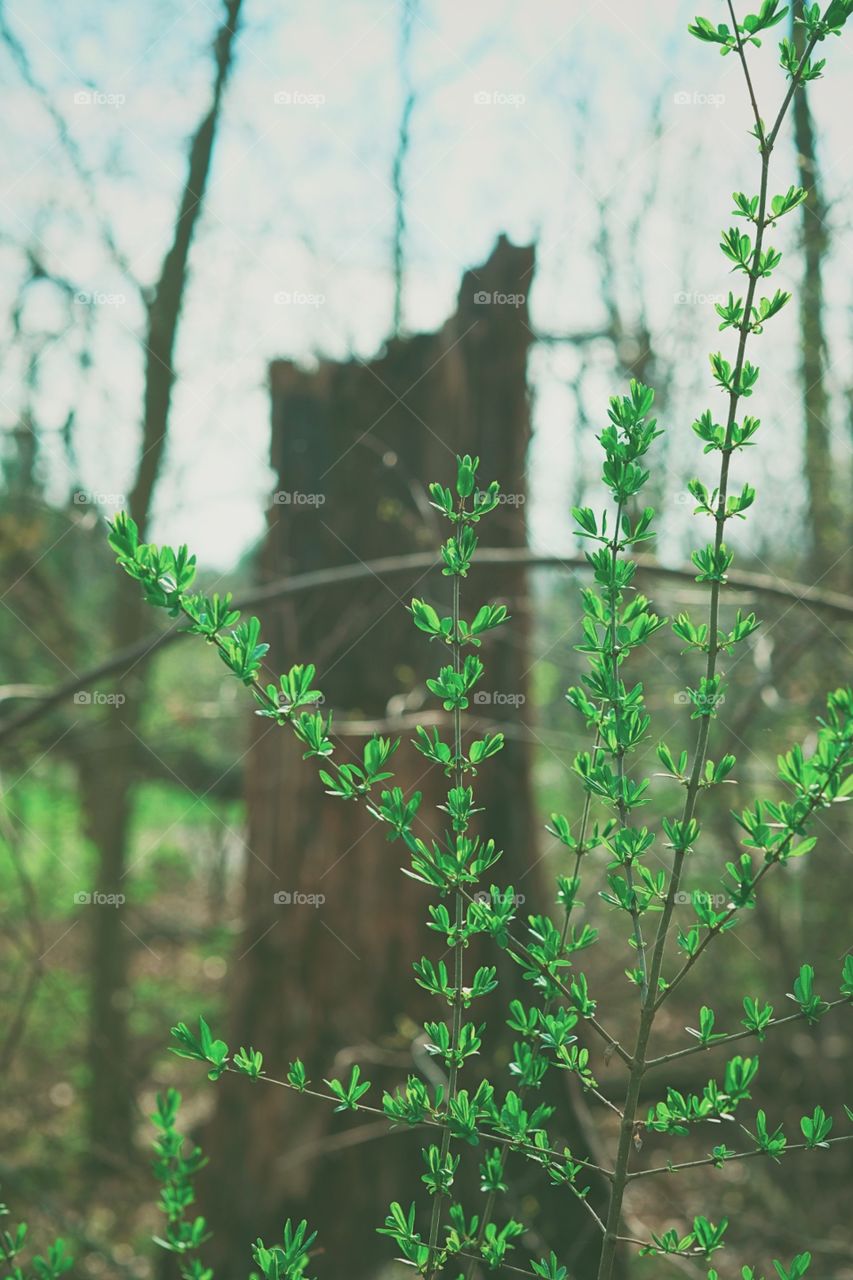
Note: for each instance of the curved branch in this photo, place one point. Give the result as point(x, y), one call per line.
point(125, 659)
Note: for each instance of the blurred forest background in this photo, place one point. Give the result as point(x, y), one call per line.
point(265, 269)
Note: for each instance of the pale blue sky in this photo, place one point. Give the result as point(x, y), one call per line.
point(300, 204)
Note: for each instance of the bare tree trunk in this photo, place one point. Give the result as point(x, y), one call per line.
point(105, 794)
point(824, 516)
point(353, 446)
point(407, 18)
point(111, 760)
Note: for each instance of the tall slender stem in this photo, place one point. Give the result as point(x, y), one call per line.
point(456, 1021)
point(491, 1198)
point(651, 1002)
point(624, 815)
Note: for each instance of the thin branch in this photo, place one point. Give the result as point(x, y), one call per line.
point(740, 1155)
point(738, 1035)
point(741, 51)
point(430, 1123)
point(815, 801)
point(835, 603)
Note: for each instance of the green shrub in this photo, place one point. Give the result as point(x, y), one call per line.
point(497, 1123)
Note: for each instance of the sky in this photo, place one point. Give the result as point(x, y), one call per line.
point(528, 120)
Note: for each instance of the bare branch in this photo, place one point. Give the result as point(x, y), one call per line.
point(833, 602)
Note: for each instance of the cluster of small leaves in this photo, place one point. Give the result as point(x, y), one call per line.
point(12, 1243)
point(794, 1271)
point(457, 862)
point(216, 1055)
point(616, 621)
point(203, 1047)
point(679, 1111)
point(288, 1260)
point(770, 13)
point(704, 1240)
point(776, 829)
point(817, 25)
point(174, 1169)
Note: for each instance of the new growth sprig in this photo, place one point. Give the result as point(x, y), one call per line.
point(751, 257)
point(460, 861)
point(460, 856)
point(613, 627)
point(452, 865)
point(51, 1266)
point(174, 1169)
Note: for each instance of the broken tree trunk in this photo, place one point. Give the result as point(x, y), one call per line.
point(329, 979)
